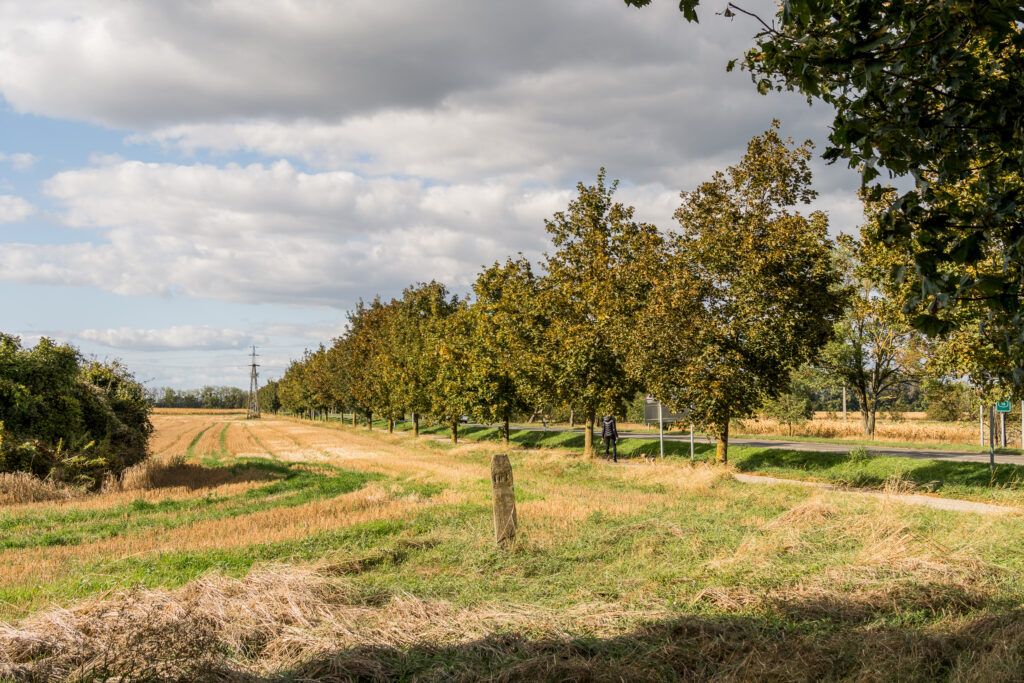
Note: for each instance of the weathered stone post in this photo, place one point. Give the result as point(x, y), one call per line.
point(505, 521)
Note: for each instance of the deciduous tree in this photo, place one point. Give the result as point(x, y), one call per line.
point(507, 328)
point(929, 90)
point(748, 291)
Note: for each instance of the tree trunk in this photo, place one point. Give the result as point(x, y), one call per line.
point(533, 417)
point(455, 431)
point(588, 434)
point(415, 424)
point(369, 420)
point(722, 448)
point(867, 416)
point(353, 417)
point(572, 418)
point(391, 426)
point(506, 428)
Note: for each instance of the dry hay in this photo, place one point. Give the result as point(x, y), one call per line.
point(685, 478)
point(175, 472)
point(306, 623)
point(22, 487)
point(888, 547)
point(278, 617)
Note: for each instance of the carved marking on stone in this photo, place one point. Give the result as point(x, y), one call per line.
point(505, 521)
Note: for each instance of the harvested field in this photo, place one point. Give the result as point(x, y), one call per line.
point(199, 411)
point(173, 435)
point(910, 430)
point(292, 550)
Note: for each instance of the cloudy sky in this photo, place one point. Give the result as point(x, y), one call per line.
point(180, 179)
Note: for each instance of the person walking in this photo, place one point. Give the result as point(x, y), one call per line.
point(610, 436)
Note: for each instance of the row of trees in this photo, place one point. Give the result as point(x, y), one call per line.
point(747, 306)
point(66, 417)
point(207, 397)
point(712, 318)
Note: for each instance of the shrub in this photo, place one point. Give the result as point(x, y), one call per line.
point(949, 401)
point(66, 418)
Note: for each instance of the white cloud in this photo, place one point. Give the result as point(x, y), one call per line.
point(14, 209)
point(273, 233)
point(398, 141)
point(136, 65)
point(20, 161)
point(178, 337)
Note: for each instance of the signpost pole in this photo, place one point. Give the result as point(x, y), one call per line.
point(661, 431)
point(981, 423)
point(691, 436)
point(1002, 429)
point(991, 440)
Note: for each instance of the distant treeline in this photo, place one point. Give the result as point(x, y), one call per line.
point(68, 418)
point(207, 397)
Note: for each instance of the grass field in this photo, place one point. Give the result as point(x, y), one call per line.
point(286, 550)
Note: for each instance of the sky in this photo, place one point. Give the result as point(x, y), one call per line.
point(181, 179)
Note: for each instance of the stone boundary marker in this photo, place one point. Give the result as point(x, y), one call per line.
point(505, 521)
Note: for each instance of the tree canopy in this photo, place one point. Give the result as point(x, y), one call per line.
point(928, 90)
point(749, 290)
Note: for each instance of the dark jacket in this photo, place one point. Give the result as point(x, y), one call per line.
point(608, 428)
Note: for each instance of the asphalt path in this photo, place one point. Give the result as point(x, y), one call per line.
point(815, 446)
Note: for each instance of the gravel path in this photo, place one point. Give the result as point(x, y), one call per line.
point(908, 498)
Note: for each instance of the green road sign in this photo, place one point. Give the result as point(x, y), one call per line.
point(1003, 407)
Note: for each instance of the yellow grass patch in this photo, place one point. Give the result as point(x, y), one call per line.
point(914, 431)
point(277, 617)
point(199, 411)
point(21, 487)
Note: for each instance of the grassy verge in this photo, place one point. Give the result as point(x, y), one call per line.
point(915, 445)
point(967, 480)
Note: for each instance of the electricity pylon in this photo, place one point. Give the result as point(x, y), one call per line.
point(254, 390)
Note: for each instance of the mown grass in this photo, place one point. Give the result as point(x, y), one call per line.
point(954, 479)
point(631, 571)
point(69, 525)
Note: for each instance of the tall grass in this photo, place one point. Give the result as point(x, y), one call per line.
point(21, 487)
point(911, 431)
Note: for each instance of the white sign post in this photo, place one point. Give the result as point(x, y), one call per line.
point(661, 431)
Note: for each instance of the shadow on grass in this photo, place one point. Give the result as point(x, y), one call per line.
point(154, 474)
point(875, 470)
point(931, 631)
point(703, 648)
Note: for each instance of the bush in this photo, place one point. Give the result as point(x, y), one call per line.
point(65, 418)
point(791, 409)
point(949, 401)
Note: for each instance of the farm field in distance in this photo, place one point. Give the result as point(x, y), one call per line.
point(285, 550)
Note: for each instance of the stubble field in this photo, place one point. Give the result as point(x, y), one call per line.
point(284, 550)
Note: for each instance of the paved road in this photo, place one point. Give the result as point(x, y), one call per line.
point(816, 446)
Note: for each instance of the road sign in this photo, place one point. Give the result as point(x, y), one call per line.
point(1003, 407)
point(654, 413)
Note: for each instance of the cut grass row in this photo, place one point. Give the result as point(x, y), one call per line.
point(67, 525)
